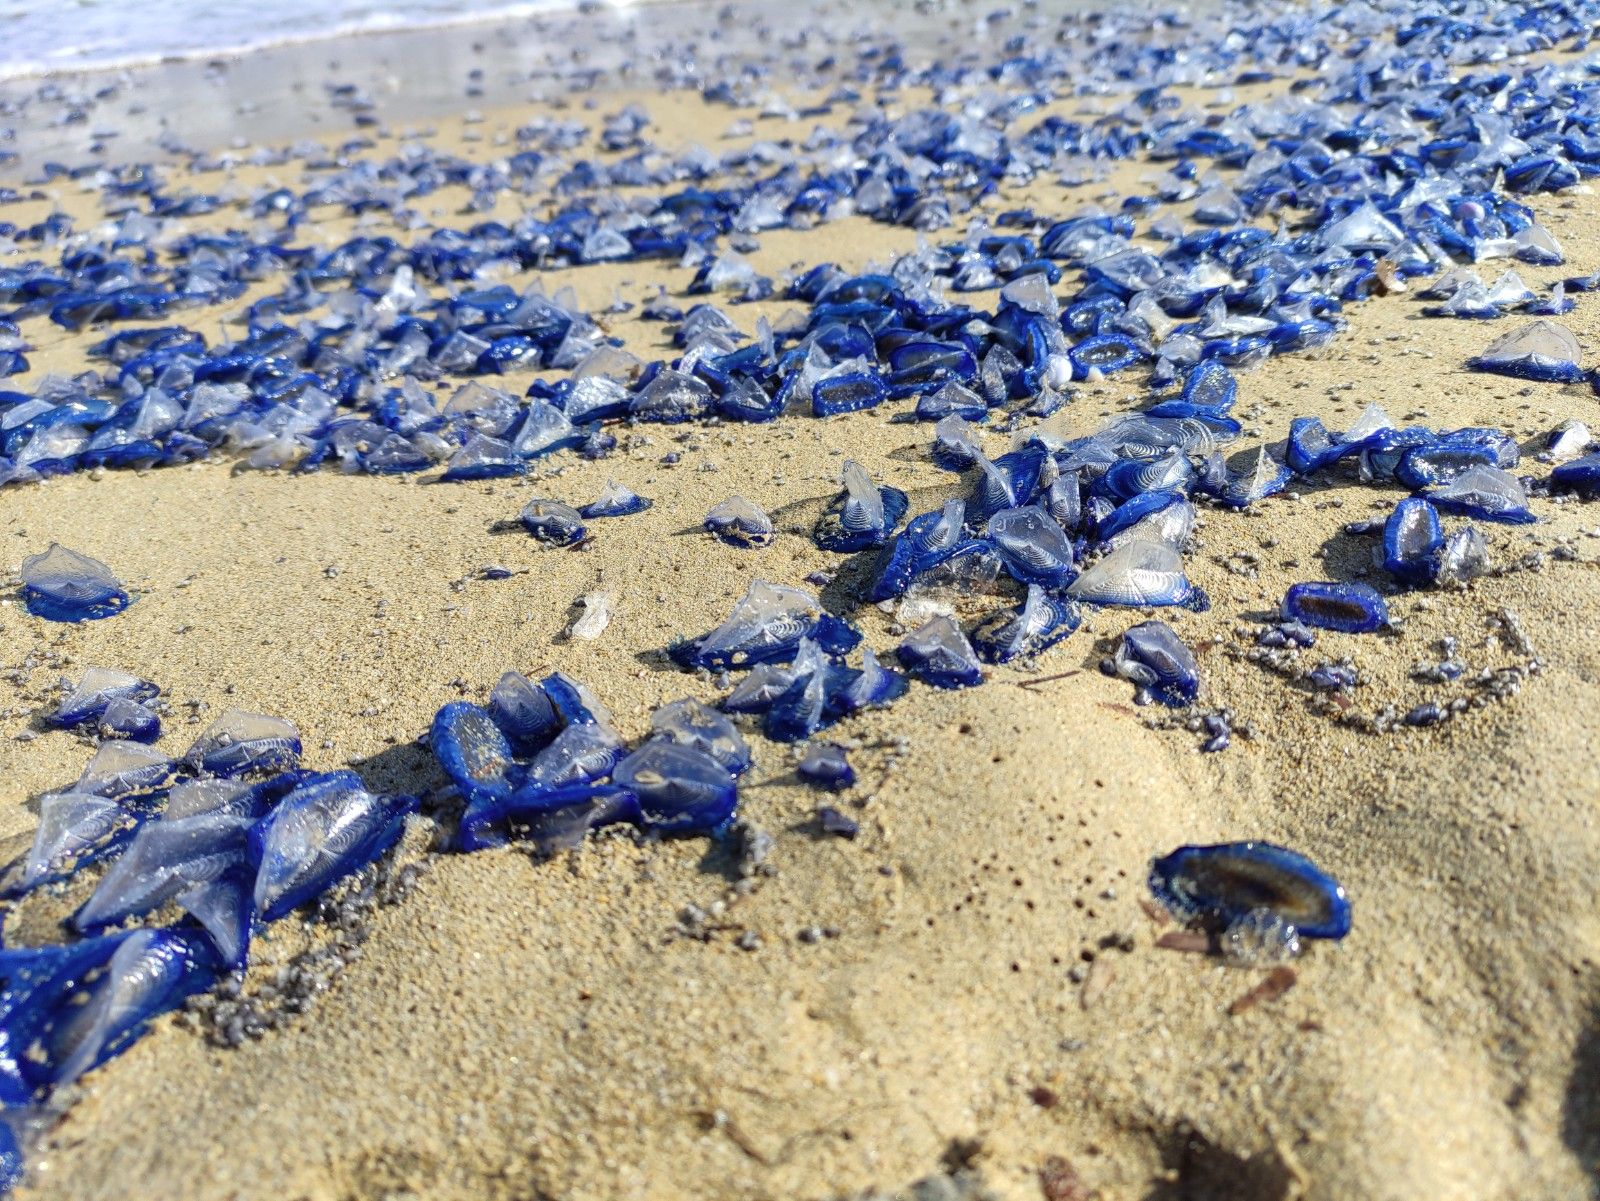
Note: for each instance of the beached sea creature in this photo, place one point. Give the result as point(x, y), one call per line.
point(1042, 620)
point(953, 399)
point(1540, 350)
point(551, 818)
point(523, 711)
point(483, 458)
point(1005, 482)
point(225, 908)
point(1263, 478)
point(1464, 556)
point(59, 584)
point(166, 857)
point(1311, 447)
point(1412, 539)
point(582, 753)
point(328, 827)
point(1102, 354)
point(691, 723)
point(75, 828)
point(546, 428)
point(131, 720)
point(615, 501)
point(740, 522)
point(99, 688)
point(1035, 549)
point(573, 700)
point(1153, 656)
point(955, 443)
point(939, 654)
point(240, 742)
point(1581, 476)
point(848, 392)
point(72, 1008)
point(1568, 441)
point(1161, 516)
point(860, 516)
point(1348, 608)
point(1209, 389)
point(1128, 478)
point(1257, 898)
point(826, 765)
point(872, 687)
point(120, 767)
point(927, 541)
point(1137, 573)
point(1486, 493)
point(552, 522)
point(471, 747)
point(766, 626)
point(681, 789)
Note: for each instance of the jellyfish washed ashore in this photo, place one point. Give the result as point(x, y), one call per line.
point(405, 347)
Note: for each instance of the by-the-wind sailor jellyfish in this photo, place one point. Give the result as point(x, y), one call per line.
point(130, 720)
point(1265, 477)
point(552, 522)
point(1486, 493)
point(681, 789)
point(1581, 476)
point(325, 829)
point(472, 748)
point(225, 908)
point(553, 819)
point(1036, 550)
point(1259, 899)
point(927, 540)
point(766, 626)
point(739, 522)
point(147, 973)
point(939, 654)
point(483, 458)
point(615, 501)
point(523, 711)
point(955, 443)
point(1412, 538)
point(119, 767)
point(862, 515)
point(239, 742)
point(580, 754)
point(166, 857)
point(874, 687)
point(74, 828)
point(1540, 350)
point(1041, 621)
point(99, 688)
point(594, 619)
point(691, 723)
point(62, 585)
point(825, 765)
point(1139, 572)
point(1349, 608)
point(1153, 657)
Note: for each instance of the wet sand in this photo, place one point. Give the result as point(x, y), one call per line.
point(971, 988)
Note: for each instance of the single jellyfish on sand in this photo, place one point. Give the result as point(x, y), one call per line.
point(60, 584)
point(1540, 350)
point(1258, 899)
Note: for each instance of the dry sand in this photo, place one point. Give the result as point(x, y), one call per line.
point(985, 994)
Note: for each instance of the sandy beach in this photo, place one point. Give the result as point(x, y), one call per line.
point(969, 992)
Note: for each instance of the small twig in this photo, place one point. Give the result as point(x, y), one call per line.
point(1062, 675)
point(1278, 981)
